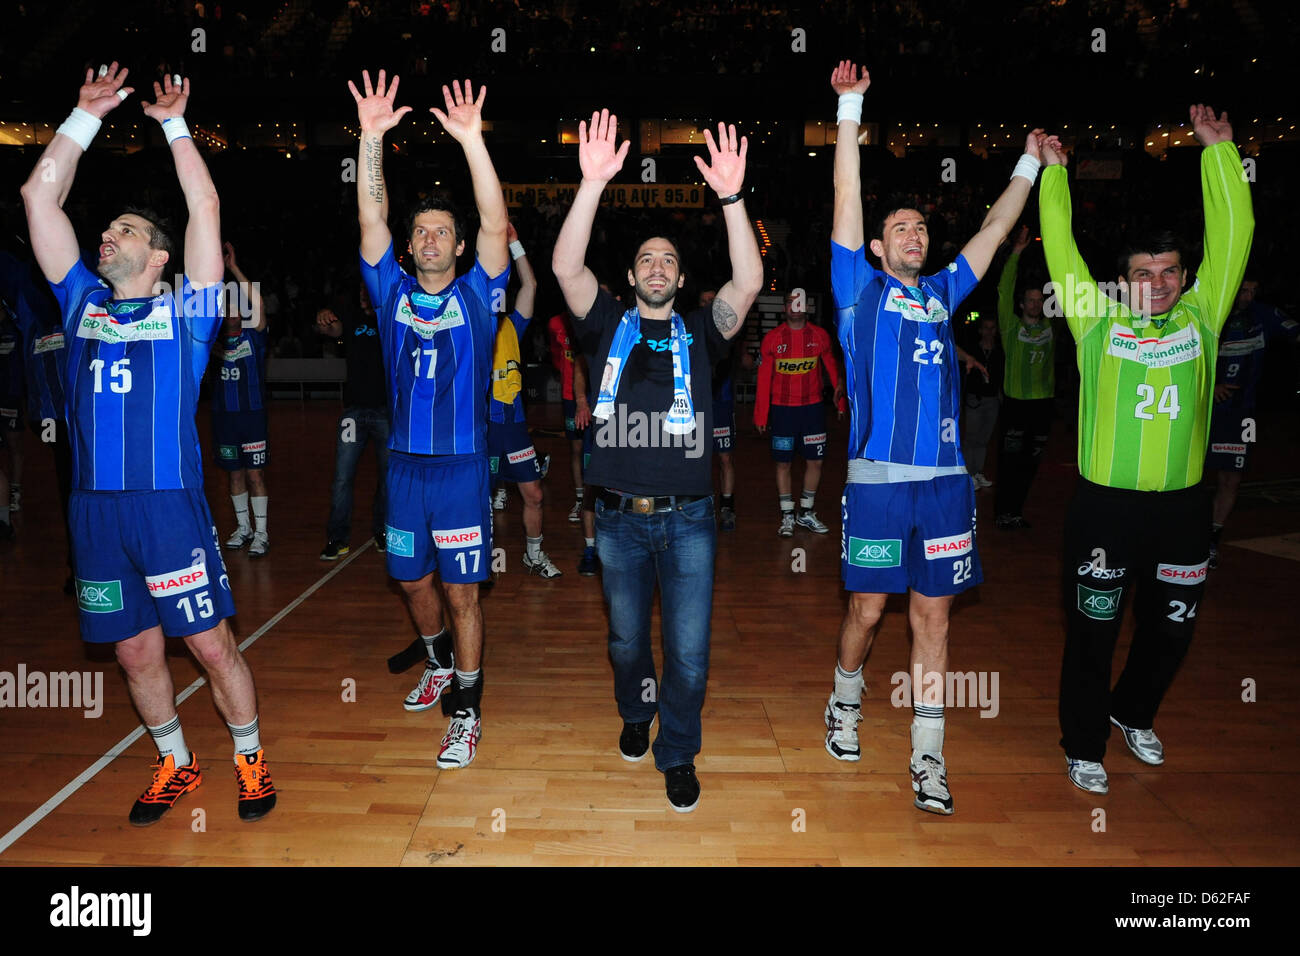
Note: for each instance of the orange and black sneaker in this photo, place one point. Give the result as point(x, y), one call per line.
point(256, 792)
point(169, 782)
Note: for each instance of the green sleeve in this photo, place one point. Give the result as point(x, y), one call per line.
point(1007, 318)
point(1076, 292)
point(1229, 227)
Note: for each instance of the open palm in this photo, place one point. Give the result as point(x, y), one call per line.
point(845, 78)
point(99, 95)
point(375, 110)
point(599, 154)
point(170, 99)
point(463, 118)
point(725, 171)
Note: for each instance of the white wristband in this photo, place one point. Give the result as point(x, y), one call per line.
point(516, 250)
point(850, 108)
point(1027, 167)
point(174, 128)
point(80, 127)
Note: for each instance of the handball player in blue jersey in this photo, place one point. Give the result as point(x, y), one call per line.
point(437, 330)
point(908, 512)
point(239, 408)
point(147, 559)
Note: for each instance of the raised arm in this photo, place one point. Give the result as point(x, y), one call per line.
point(527, 296)
point(1229, 216)
point(600, 160)
point(846, 226)
point(249, 292)
point(464, 121)
point(725, 174)
point(53, 240)
point(375, 116)
point(1007, 317)
point(1076, 291)
point(1004, 213)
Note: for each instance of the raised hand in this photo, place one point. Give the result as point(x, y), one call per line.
point(1021, 242)
point(464, 116)
point(325, 318)
point(228, 256)
point(1034, 143)
point(1052, 152)
point(511, 234)
point(725, 171)
point(375, 110)
point(1208, 128)
point(170, 99)
point(102, 94)
point(598, 154)
point(845, 78)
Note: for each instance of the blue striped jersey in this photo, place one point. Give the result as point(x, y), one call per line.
point(503, 412)
point(34, 309)
point(437, 355)
point(902, 374)
point(240, 372)
point(132, 373)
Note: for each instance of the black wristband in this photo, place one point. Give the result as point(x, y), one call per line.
point(728, 200)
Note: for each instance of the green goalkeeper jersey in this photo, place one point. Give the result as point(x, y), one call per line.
point(1145, 384)
point(1030, 371)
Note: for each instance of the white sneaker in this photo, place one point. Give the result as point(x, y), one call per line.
point(240, 538)
point(460, 743)
point(808, 519)
point(575, 513)
point(930, 784)
point(1144, 744)
point(787, 524)
point(542, 566)
point(429, 691)
point(1088, 775)
point(842, 729)
point(261, 544)
point(499, 499)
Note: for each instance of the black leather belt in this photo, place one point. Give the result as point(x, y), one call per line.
point(646, 504)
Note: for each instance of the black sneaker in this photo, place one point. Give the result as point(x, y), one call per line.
point(683, 787)
point(335, 550)
point(634, 741)
point(588, 564)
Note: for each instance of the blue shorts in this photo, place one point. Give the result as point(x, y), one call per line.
point(724, 427)
point(145, 558)
point(1227, 450)
point(798, 428)
point(910, 534)
point(571, 429)
point(240, 438)
point(511, 456)
point(439, 517)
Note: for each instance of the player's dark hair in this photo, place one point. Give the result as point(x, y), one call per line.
point(1151, 244)
point(885, 209)
point(438, 202)
point(160, 229)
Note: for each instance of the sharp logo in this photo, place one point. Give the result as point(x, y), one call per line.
point(1099, 605)
point(177, 582)
point(1182, 573)
point(946, 547)
point(457, 538)
point(99, 597)
point(1227, 448)
point(814, 439)
point(253, 446)
point(723, 431)
point(399, 542)
point(515, 457)
point(868, 553)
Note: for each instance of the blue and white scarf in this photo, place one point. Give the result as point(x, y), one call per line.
point(680, 419)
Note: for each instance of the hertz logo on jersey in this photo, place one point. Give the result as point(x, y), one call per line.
point(796, 366)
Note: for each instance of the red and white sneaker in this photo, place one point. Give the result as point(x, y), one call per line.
point(428, 692)
point(461, 741)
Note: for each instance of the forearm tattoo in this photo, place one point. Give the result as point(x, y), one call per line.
point(724, 317)
point(375, 167)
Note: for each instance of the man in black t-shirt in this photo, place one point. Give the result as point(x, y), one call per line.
point(652, 447)
point(364, 418)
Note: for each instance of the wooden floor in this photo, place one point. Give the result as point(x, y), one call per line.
point(357, 779)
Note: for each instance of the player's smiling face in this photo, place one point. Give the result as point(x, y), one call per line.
point(433, 242)
point(1155, 282)
point(124, 251)
point(903, 246)
point(656, 274)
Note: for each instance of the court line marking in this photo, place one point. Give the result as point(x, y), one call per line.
point(79, 781)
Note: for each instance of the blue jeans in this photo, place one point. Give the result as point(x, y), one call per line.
point(369, 424)
point(675, 548)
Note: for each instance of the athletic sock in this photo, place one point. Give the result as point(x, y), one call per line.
point(729, 501)
point(241, 511)
point(533, 547)
point(439, 647)
point(806, 500)
point(848, 686)
point(247, 740)
point(468, 690)
point(787, 504)
point(259, 513)
point(577, 492)
point(927, 729)
point(590, 542)
point(170, 739)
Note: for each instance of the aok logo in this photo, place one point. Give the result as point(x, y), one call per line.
point(1099, 605)
point(99, 597)
point(867, 553)
point(399, 542)
point(227, 452)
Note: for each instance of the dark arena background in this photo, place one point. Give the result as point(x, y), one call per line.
point(954, 90)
